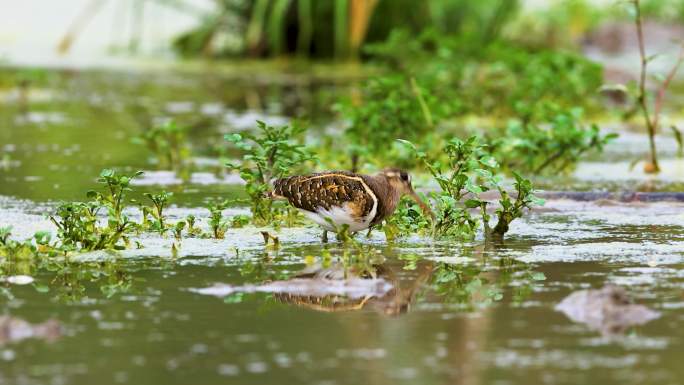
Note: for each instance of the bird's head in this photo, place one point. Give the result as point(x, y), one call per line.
point(400, 181)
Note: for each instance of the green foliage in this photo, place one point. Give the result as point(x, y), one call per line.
point(497, 79)
point(467, 172)
point(13, 251)
point(407, 219)
point(192, 230)
point(510, 210)
point(218, 224)
point(238, 221)
point(390, 107)
point(178, 230)
point(552, 147)
point(169, 144)
point(159, 202)
point(327, 29)
point(272, 153)
point(77, 222)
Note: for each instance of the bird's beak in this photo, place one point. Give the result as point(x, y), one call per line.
point(423, 206)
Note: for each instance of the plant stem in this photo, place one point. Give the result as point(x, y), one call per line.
point(650, 124)
point(341, 28)
point(305, 32)
point(421, 101)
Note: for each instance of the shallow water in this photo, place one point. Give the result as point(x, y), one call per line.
point(456, 313)
point(494, 323)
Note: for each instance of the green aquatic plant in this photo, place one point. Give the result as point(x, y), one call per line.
point(77, 223)
point(159, 202)
point(548, 147)
point(178, 230)
point(390, 107)
point(217, 223)
point(169, 144)
point(510, 210)
point(271, 153)
point(652, 116)
point(497, 79)
point(192, 230)
point(13, 250)
point(407, 219)
point(25, 256)
point(469, 170)
point(240, 220)
point(78, 227)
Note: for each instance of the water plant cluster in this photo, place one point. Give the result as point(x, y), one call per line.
point(534, 102)
point(103, 222)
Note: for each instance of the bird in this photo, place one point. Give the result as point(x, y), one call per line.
point(336, 200)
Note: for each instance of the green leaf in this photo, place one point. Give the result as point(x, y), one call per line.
point(473, 203)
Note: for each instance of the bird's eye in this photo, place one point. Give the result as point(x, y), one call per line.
point(404, 176)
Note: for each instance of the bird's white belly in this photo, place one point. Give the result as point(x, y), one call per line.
point(340, 216)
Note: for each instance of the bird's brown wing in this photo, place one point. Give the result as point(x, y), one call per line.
point(327, 190)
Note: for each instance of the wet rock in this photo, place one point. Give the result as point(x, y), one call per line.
point(608, 310)
point(15, 329)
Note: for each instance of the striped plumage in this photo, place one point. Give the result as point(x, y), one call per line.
point(337, 198)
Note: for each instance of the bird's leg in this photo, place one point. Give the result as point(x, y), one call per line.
point(324, 238)
point(370, 230)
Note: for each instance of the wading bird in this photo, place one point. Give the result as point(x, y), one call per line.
point(340, 199)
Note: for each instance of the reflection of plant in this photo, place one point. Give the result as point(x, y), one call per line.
point(272, 153)
point(70, 278)
point(465, 285)
point(479, 285)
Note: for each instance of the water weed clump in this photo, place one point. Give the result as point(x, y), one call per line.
point(389, 107)
point(272, 152)
point(468, 171)
point(169, 144)
point(499, 78)
point(159, 202)
point(12, 250)
point(546, 147)
point(78, 224)
point(217, 223)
